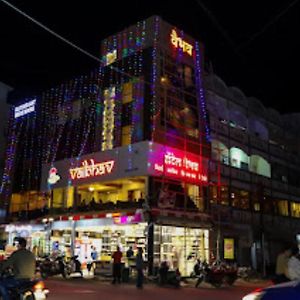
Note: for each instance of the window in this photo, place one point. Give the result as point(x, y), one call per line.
point(295, 209)
point(240, 199)
point(219, 195)
point(283, 208)
point(244, 166)
point(224, 159)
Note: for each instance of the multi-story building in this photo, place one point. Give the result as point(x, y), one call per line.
point(130, 155)
point(257, 203)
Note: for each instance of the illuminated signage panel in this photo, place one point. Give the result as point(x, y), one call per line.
point(91, 169)
point(228, 248)
point(179, 42)
point(177, 164)
point(25, 109)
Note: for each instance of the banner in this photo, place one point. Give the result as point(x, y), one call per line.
point(228, 248)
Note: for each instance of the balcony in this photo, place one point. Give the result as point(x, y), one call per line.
point(277, 151)
point(243, 217)
point(258, 143)
point(280, 186)
point(239, 135)
point(262, 180)
point(219, 127)
point(294, 190)
point(240, 174)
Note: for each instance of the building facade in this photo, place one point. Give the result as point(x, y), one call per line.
point(147, 151)
point(258, 202)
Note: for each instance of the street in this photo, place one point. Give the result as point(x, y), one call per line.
point(92, 289)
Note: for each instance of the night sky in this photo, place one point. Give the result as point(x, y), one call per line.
point(253, 45)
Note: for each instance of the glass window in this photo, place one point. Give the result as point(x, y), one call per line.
point(240, 199)
point(268, 205)
point(222, 198)
point(282, 207)
point(295, 209)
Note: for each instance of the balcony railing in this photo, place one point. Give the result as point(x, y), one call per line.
point(219, 127)
point(239, 135)
point(24, 215)
point(258, 143)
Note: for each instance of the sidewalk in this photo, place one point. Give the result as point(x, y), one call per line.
point(186, 283)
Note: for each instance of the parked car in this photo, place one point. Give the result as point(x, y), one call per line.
point(288, 290)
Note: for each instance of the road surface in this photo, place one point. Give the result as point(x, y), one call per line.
point(80, 289)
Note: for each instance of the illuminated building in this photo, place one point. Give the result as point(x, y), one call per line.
point(129, 156)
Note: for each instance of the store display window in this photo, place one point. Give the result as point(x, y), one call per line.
point(180, 247)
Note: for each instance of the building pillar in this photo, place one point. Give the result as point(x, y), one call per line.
point(150, 246)
point(73, 236)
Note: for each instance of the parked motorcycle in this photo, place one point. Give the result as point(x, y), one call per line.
point(52, 266)
point(167, 277)
point(73, 266)
point(216, 275)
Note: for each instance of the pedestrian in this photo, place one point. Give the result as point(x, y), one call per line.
point(294, 264)
point(139, 263)
point(282, 265)
point(117, 256)
point(129, 252)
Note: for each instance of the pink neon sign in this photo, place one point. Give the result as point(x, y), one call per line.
point(91, 169)
point(178, 165)
point(123, 220)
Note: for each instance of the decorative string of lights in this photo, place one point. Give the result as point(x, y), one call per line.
point(200, 90)
point(153, 107)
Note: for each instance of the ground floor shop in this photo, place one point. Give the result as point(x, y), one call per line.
point(98, 238)
point(180, 246)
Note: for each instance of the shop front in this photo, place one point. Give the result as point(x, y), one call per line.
point(180, 247)
point(100, 235)
point(35, 234)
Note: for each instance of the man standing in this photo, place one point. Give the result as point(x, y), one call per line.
point(23, 263)
point(139, 262)
point(117, 256)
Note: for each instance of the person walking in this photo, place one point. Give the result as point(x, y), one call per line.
point(117, 256)
point(139, 262)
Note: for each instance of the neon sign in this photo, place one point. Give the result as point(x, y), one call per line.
point(92, 169)
point(53, 176)
point(178, 164)
point(178, 42)
point(25, 108)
